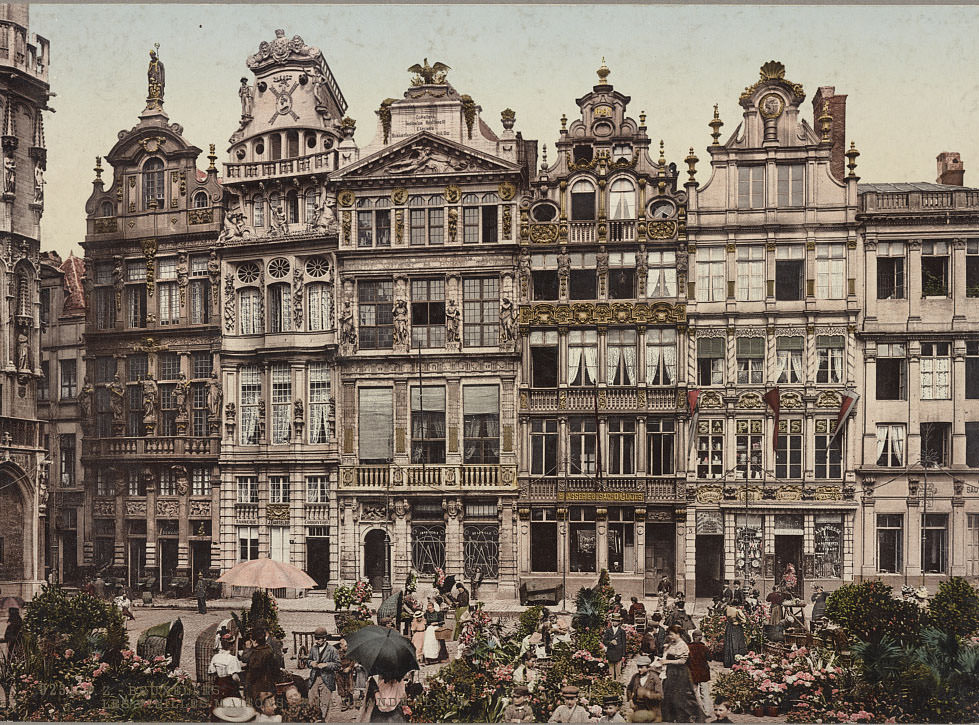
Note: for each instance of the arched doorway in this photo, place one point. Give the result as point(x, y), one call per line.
point(376, 561)
point(16, 530)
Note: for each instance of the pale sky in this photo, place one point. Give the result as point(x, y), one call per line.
point(910, 73)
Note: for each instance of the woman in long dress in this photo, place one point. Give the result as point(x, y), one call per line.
point(418, 628)
point(679, 701)
point(734, 641)
point(434, 619)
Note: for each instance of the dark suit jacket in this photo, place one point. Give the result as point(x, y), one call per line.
point(614, 643)
point(660, 639)
point(262, 671)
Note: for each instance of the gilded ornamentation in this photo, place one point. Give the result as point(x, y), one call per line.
point(828, 399)
point(229, 303)
point(452, 193)
point(791, 401)
point(507, 221)
point(603, 399)
point(345, 223)
point(399, 225)
point(149, 251)
point(384, 113)
point(453, 224)
point(277, 513)
point(469, 112)
point(399, 196)
point(543, 233)
point(507, 190)
point(429, 75)
point(524, 400)
point(711, 400)
point(710, 494)
point(562, 400)
point(828, 493)
point(750, 400)
point(602, 313)
point(773, 73)
point(771, 106)
point(345, 197)
point(788, 493)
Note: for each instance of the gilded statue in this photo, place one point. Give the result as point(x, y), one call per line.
point(156, 80)
point(428, 74)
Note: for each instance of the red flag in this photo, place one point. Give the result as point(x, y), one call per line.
point(771, 397)
point(847, 406)
point(693, 397)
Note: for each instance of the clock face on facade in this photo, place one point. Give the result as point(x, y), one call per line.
point(662, 209)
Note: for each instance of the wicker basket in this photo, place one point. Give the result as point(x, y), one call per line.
point(444, 633)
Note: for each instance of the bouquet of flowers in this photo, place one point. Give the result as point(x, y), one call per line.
point(411, 583)
point(343, 597)
point(439, 579)
point(362, 592)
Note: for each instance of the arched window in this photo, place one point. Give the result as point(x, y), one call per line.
point(275, 147)
point(153, 184)
point(258, 212)
point(582, 201)
point(107, 208)
point(248, 311)
point(200, 200)
point(622, 200)
point(292, 207)
point(292, 144)
point(280, 308)
point(318, 304)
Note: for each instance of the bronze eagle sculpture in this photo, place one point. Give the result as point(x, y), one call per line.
point(429, 74)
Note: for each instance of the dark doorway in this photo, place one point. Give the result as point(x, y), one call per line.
point(200, 559)
point(168, 562)
point(375, 558)
point(69, 556)
point(788, 550)
point(137, 562)
point(660, 555)
point(543, 546)
point(710, 565)
point(318, 560)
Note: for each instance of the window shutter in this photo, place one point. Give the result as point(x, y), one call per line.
point(376, 423)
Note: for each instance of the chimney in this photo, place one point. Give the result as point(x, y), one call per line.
point(837, 109)
point(950, 168)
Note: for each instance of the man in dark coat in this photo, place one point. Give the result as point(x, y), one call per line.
point(324, 661)
point(728, 594)
point(613, 639)
point(659, 633)
point(200, 594)
point(461, 600)
point(263, 667)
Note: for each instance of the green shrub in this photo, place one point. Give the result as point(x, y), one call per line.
point(351, 624)
point(529, 621)
point(955, 608)
point(868, 611)
point(78, 622)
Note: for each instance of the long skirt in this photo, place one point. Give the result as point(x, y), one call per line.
point(734, 643)
point(431, 646)
point(679, 702)
point(418, 642)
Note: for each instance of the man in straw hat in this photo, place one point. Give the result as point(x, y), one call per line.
point(613, 641)
point(233, 709)
point(570, 710)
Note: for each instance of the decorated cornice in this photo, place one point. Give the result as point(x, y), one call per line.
point(583, 314)
point(772, 74)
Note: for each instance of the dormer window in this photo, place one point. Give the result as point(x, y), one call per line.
point(583, 201)
point(583, 154)
point(153, 184)
point(622, 199)
point(200, 200)
point(622, 152)
point(107, 208)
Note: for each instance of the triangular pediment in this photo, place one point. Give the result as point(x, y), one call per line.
point(424, 154)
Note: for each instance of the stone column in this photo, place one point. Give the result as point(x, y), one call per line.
point(690, 553)
point(957, 457)
point(183, 528)
point(523, 539)
point(869, 294)
point(453, 536)
point(350, 539)
point(642, 465)
point(912, 548)
point(216, 487)
point(868, 536)
point(508, 575)
point(913, 454)
point(601, 538)
point(958, 531)
point(640, 542)
point(400, 547)
point(958, 281)
point(679, 558)
point(914, 281)
point(149, 478)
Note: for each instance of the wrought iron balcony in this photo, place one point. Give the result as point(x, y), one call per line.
point(611, 398)
point(428, 476)
point(625, 489)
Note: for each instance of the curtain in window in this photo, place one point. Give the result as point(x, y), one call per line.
point(897, 443)
point(248, 311)
point(630, 364)
point(591, 363)
point(574, 362)
point(669, 363)
point(249, 425)
point(652, 364)
point(319, 422)
point(614, 354)
point(376, 420)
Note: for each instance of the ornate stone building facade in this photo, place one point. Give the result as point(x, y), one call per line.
point(602, 377)
point(773, 308)
point(24, 94)
point(62, 360)
point(149, 399)
point(919, 519)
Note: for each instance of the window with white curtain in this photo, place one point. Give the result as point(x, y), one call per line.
point(660, 356)
point(622, 200)
point(318, 303)
point(935, 367)
point(661, 273)
point(788, 351)
point(620, 352)
point(249, 311)
point(281, 403)
point(247, 489)
point(317, 489)
point(830, 271)
point(319, 402)
point(278, 489)
point(481, 423)
point(280, 308)
point(890, 444)
point(751, 360)
point(710, 274)
point(583, 357)
point(250, 393)
point(376, 425)
point(428, 424)
point(169, 297)
point(279, 543)
point(751, 273)
point(829, 349)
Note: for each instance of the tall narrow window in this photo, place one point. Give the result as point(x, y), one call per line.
point(428, 424)
point(790, 266)
point(710, 448)
point(167, 291)
point(280, 308)
point(829, 349)
point(661, 273)
point(481, 311)
point(275, 147)
point(710, 360)
point(751, 187)
point(751, 273)
point(375, 425)
point(44, 384)
point(428, 313)
point(749, 441)
point(621, 357)
point(249, 311)
point(621, 446)
point(470, 219)
point(660, 446)
point(250, 394)
point(829, 458)
point(198, 409)
point(972, 268)
point(583, 357)
point(583, 433)
point(279, 489)
point(199, 291)
point(788, 450)
point(375, 307)
point(890, 270)
point(788, 352)
point(934, 544)
point(66, 447)
point(935, 371)
point(136, 304)
point(892, 371)
point(319, 402)
point(69, 379)
point(890, 540)
point(319, 304)
point(791, 184)
point(281, 403)
point(711, 285)
point(582, 279)
point(153, 191)
point(543, 446)
point(971, 370)
point(481, 423)
point(890, 444)
point(622, 200)
point(258, 211)
point(751, 360)
point(934, 268)
point(830, 271)
point(935, 440)
point(582, 201)
point(660, 356)
point(544, 358)
point(622, 275)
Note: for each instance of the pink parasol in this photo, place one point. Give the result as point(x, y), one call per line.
point(267, 573)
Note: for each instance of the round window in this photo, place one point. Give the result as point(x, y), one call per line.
point(259, 148)
point(544, 212)
point(279, 268)
point(317, 266)
point(248, 272)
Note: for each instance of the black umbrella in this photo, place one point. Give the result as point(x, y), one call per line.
point(450, 581)
point(381, 650)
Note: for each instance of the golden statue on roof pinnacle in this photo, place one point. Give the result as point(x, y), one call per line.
point(429, 74)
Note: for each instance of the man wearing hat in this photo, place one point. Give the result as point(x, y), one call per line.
point(519, 710)
point(570, 710)
point(646, 681)
point(613, 640)
point(610, 709)
point(324, 661)
point(263, 669)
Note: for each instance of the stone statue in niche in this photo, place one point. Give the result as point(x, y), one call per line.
point(601, 261)
point(85, 404)
point(23, 348)
point(452, 321)
point(214, 397)
point(400, 322)
point(278, 225)
point(297, 410)
point(325, 216)
point(42, 483)
point(182, 271)
point(117, 393)
point(9, 175)
point(348, 335)
point(180, 393)
point(150, 396)
point(247, 97)
point(564, 262)
point(181, 479)
point(38, 182)
point(508, 318)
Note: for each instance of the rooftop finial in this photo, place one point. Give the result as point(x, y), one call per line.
point(156, 81)
point(212, 157)
point(642, 119)
point(603, 73)
point(825, 124)
point(564, 122)
point(543, 161)
point(426, 74)
point(98, 169)
point(715, 126)
point(662, 157)
point(851, 155)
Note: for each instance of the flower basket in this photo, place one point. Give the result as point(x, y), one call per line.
point(443, 633)
point(771, 710)
point(758, 711)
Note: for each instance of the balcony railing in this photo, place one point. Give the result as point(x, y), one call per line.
point(317, 513)
point(621, 230)
point(18, 433)
point(246, 513)
point(581, 232)
point(281, 167)
point(871, 201)
point(626, 489)
point(428, 476)
point(151, 446)
point(612, 398)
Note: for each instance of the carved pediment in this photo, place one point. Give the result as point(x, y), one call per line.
point(424, 155)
